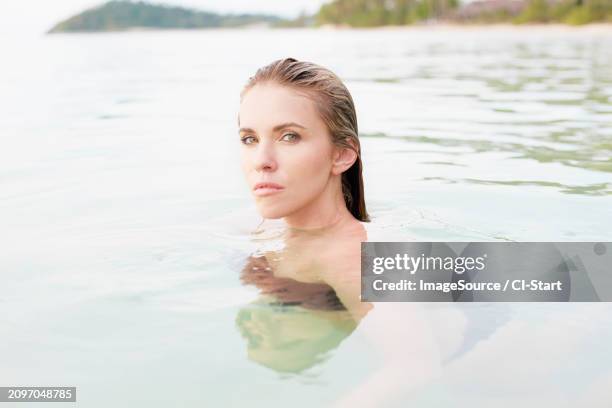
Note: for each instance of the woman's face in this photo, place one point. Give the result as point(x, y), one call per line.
point(286, 149)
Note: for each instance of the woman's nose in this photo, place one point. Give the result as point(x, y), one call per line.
point(264, 158)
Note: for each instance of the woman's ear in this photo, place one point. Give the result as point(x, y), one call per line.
point(344, 158)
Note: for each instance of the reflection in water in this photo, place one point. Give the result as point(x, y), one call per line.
point(294, 324)
point(592, 189)
point(592, 154)
point(291, 339)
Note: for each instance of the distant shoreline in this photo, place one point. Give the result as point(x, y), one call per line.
point(604, 27)
point(541, 27)
point(138, 15)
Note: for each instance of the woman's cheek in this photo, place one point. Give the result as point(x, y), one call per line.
point(310, 173)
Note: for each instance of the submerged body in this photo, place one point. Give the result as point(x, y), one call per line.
point(314, 265)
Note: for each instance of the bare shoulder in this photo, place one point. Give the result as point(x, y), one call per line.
point(344, 275)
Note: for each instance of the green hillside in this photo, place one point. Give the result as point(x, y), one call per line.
point(566, 11)
point(124, 15)
point(372, 13)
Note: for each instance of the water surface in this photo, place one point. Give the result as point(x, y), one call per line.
point(125, 220)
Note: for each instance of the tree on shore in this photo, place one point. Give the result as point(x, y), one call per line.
point(371, 13)
point(566, 11)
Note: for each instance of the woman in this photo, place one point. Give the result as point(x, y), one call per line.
point(301, 157)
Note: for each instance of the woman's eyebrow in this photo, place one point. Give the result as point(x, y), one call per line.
point(286, 125)
point(275, 128)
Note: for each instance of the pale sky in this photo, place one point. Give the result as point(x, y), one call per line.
point(35, 17)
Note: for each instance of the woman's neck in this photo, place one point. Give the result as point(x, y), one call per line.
point(326, 211)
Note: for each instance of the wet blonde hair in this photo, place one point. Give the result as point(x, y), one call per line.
point(335, 105)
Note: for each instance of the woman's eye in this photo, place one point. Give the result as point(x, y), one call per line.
point(290, 137)
point(248, 139)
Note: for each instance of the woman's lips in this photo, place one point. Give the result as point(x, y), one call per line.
point(265, 189)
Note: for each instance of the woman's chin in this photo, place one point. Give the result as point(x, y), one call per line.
point(271, 213)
